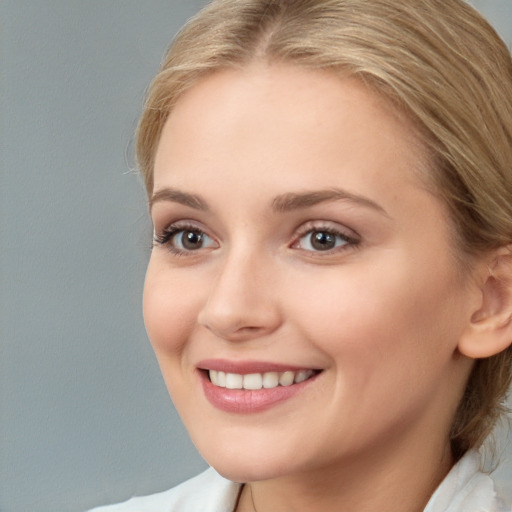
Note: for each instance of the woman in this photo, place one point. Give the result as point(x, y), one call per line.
point(329, 294)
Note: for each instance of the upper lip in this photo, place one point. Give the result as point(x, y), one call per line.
point(246, 367)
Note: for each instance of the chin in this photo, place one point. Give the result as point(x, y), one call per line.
point(241, 471)
point(248, 462)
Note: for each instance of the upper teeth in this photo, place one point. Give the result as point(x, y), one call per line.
point(256, 381)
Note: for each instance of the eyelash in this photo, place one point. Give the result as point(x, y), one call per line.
point(166, 237)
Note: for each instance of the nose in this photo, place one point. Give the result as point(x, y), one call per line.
point(241, 304)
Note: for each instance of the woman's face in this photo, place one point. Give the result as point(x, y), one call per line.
point(295, 240)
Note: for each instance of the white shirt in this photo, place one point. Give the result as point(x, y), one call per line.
point(465, 489)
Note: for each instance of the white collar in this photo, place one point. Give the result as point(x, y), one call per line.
point(466, 489)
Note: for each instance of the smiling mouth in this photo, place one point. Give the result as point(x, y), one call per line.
point(257, 381)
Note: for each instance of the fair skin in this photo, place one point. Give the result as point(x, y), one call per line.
point(357, 284)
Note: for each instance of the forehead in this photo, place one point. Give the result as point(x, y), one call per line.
point(288, 119)
point(281, 109)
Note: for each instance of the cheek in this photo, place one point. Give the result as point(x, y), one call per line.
point(169, 315)
point(380, 316)
point(390, 341)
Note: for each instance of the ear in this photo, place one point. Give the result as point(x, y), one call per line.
point(490, 329)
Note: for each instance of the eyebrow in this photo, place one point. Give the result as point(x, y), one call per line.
point(281, 204)
point(177, 196)
point(297, 201)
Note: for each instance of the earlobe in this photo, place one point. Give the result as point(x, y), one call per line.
point(490, 329)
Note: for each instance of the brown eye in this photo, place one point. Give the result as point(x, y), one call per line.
point(189, 240)
point(322, 241)
point(319, 240)
point(182, 240)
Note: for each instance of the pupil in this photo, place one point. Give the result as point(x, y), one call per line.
point(323, 241)
point(191, 240)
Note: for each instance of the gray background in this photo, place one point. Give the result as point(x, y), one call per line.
point(84, 415)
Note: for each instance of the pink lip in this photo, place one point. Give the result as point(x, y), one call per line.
point(247, 401)
point(245, 367)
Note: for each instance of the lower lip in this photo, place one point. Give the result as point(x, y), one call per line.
point(248, 401)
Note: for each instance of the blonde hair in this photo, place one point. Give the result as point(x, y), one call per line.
point(439, 61)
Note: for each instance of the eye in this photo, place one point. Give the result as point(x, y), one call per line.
point(323, 240)
point(181, 239)
point(191, 240)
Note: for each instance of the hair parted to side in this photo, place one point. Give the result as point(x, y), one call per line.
point(438, 61)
